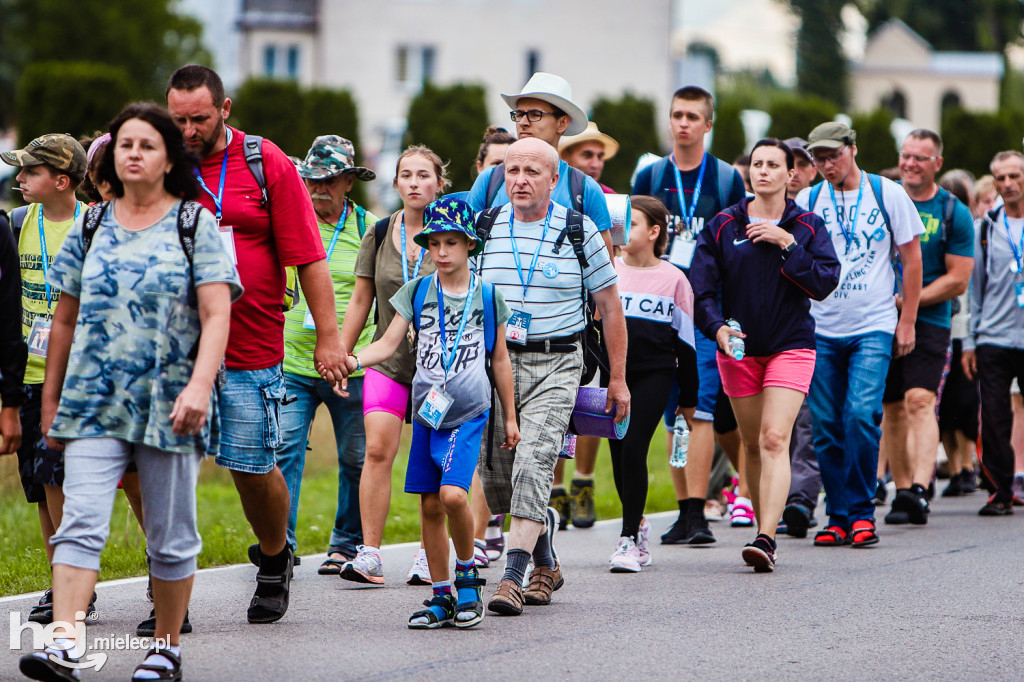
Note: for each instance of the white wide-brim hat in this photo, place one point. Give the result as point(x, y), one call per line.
point(556, 91)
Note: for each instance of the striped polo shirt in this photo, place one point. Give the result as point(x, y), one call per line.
point(554, 297)
point(300, 342)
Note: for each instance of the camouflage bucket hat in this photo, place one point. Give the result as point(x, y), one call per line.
point(332, 155)
point(449, 214)
point(58, 150)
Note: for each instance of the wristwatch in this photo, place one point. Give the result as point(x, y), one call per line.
point(788, 249)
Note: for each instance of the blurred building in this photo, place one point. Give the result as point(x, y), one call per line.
point(900, 70)
point(383, 51)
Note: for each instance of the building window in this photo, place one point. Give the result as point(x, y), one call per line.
point(269, 60)
point(950, 100)
point(896, 102)
point(293, 61)
point(414, 65)
point(532, 63)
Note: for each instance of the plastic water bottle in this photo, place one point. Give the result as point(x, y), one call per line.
point(568, 447)
point(737, 347)
point(680, 443)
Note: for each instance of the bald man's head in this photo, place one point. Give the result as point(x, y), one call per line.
point(531, 173)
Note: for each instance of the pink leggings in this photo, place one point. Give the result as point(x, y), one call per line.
point(383, 394)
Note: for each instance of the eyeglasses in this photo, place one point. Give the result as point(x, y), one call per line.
point(918, 159)
point(833, 157)
point(533, 115)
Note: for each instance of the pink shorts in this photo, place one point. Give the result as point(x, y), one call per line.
point(751, 375)
point(383, 394)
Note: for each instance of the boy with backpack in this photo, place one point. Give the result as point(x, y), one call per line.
point(52, 167)
point(451, 395)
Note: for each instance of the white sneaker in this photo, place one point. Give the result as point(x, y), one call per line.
point(642, 540)
point(365, 568)
point(419, 574)
point(626, 558)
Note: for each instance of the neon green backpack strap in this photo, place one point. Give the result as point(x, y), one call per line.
point(292, 295)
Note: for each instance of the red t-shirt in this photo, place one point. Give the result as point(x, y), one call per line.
point(264, 244)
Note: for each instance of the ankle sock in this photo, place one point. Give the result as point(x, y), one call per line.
point(769, 540)
point(276, 564)
point(466, 569)
point(157, 659)
point(493, 531)
point(695, 506)
point(683, 506)
point(544, 551)
point(516, 561)
point(582, 477)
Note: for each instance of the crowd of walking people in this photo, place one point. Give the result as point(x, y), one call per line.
point(807, 325)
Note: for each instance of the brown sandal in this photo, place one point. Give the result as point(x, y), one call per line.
point(543, 581)
point(508, 600)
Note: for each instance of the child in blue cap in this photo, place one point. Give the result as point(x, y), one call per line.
point(457, 352)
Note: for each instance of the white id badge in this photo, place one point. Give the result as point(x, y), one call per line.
point(435, 406)
point(517, 328)
point(307, 321)
point(227, 238)
point(39, 337)
point(683, 248)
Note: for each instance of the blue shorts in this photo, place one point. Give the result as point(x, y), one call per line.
point(710, 382)
point(444, 457)
point(249, 405)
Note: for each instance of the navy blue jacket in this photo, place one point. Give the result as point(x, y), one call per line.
point(767, 294)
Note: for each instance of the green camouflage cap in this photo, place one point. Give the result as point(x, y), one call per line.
point(58, 150)
point(332, 155)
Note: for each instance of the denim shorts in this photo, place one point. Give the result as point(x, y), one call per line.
point(38, 465)
point(250, 419)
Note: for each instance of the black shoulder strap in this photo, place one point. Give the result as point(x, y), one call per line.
point(252, 147)
point(577, 181)
point(483, 226)
point(494, 183)
point(380, 230)
point(575, 234)
point(17, 220)
point(947, 215)
point(93, 216)
point(188, 220)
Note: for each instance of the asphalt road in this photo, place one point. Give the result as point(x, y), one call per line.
point(942, 601)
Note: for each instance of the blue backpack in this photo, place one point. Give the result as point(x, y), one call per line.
point(490, 312)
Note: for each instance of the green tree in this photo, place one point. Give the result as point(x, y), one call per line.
point(986, 135)
point(449, 120)
point(821, 67)
point(275, 109)
point(69, 97)
point(876, 148)
point(795, 116)
point(147, 39)
point(728, 140)
point(630, 121)
point(967, 25)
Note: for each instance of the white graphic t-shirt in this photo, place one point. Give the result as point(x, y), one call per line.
point(863, 301)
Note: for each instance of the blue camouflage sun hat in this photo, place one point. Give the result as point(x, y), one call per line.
point(449, 214)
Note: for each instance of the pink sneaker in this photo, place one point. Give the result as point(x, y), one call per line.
point(642, 540)
point(626, 558)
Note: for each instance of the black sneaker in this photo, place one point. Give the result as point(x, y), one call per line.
point(911, 502)
point(581, 503)
point(560, 503)
point(797, 519)
point(147, 628)
point(678, 532)
point(700, 532)
point(954, 489)
point(881, 493)
point(968, 481)
point(995, 508)
point(760, 554)
point(42, 612)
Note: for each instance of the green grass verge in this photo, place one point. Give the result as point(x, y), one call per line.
point(225, 532)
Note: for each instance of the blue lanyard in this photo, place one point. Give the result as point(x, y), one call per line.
point(515, 250)
point(405, 258)
point(218, 198)
point(45, 256)
point(1018, 254)
point(687, 215)
point(448, 357)
point(840, 218)
point(338, 229)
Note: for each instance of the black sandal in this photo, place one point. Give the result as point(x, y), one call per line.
point(268, 609)
point(172, 674)
point(474, 607)
point(42, 667)
point(147, 628)
point(446, 602)
point(332, 566)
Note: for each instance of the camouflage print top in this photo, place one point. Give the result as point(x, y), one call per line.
point(136, 325)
